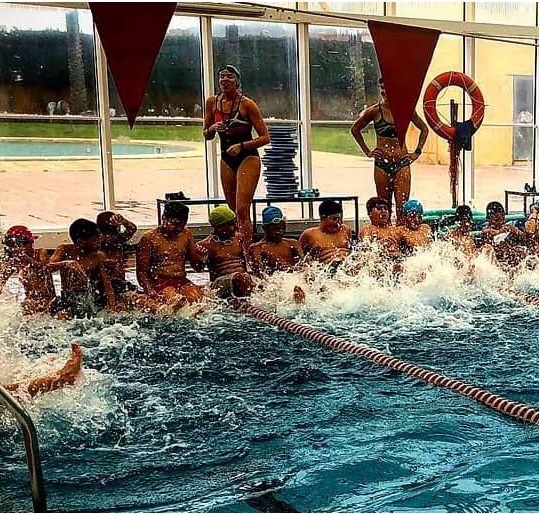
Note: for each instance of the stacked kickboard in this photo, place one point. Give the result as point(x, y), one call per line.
point(279, 166)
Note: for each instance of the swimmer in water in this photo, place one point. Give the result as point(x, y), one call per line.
point(461, 237)
point(329, 243)
point(415, 233)
point(382, 233)
point(64, 376)
point(275, 252)
point(532, 226)
point(507, 240)
point(32, 266)
point(222, 252)
point(114, 233)
point(162, 254)
point(380, 230)
point(82, 269)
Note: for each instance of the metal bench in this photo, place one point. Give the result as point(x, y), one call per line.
point(310, 201)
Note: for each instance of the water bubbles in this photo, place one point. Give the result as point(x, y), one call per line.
point(226, 402)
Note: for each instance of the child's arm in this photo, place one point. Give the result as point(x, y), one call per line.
point(58, 255)
point(297, 253)
point(256, 260)
point(305, 241)
point(196, 254)
point(144, 255)
point(40, 262)
point(59, 261)
point(243, 256)
point(6, 270)
point(106, 283)
point(130, 227)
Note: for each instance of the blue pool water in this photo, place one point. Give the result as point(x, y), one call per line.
point(227, 414)
point(80, 149)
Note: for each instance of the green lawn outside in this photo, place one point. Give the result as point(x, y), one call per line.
point(325, 139)
point(88, 131)
point(339, 140)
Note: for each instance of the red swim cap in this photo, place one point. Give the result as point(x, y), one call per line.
point(20, 232)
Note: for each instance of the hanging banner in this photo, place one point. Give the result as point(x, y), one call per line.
point(404, 55)
point(131, 34)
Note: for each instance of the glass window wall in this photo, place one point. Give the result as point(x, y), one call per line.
point(165, 150)
point(48, 125)
point(504, 144)
point(344, 80)
point(266, 55)
point(49, 122)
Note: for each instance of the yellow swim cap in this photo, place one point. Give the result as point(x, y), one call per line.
point(221, 215)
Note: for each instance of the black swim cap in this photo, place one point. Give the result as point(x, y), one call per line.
point(176, 211)
point(494, 207)
point(463, 212)
point(83, 229)
point(329, 207)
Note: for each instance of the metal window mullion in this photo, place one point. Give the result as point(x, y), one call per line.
point(304, 104)
point(390, 8)
point(105, 143)
point(535, 148)
point(469, 69)
point(208, 89)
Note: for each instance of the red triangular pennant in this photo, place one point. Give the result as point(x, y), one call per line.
point(132, 34)
point(404, 54)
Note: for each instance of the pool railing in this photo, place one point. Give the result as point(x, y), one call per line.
point(32, 449)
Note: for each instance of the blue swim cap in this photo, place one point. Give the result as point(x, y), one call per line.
point(272, 214)
point(412, 206)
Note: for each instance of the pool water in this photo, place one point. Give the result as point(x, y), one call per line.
point(80, 149)
point(227, 414)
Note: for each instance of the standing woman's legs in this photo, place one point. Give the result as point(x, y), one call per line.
point(401, 189)
point(384, 186)
point(228, 181)
point(246, 182)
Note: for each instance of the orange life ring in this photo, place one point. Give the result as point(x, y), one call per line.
point(452, 78)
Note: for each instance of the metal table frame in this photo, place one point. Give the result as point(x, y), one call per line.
point(524, 195)
point(269, 201)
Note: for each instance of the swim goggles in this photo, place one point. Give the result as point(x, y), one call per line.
point(275, 220)
point(16, 240)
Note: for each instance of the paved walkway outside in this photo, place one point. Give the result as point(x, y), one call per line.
point(50, 193)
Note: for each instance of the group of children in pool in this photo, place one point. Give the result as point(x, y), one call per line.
point(93, 267)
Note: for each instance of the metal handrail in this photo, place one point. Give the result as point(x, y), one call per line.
point(32, 449)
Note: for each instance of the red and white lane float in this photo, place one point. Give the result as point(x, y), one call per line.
point(515, 410)
point(459, 135)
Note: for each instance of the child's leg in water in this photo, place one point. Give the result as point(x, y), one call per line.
point(66, 375)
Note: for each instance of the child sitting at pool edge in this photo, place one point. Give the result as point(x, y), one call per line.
point(222, 252)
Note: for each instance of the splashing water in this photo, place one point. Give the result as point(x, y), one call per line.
point(224, 413)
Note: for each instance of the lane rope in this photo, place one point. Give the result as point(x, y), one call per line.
point(519, 411)
point(528, 298)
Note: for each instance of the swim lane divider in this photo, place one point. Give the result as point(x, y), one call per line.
point(519, 411)
point(528, 298)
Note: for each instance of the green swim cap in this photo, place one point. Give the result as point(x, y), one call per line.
point(221, 215)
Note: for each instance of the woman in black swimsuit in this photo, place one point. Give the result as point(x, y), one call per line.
point(232, 116)
point(391, 162)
